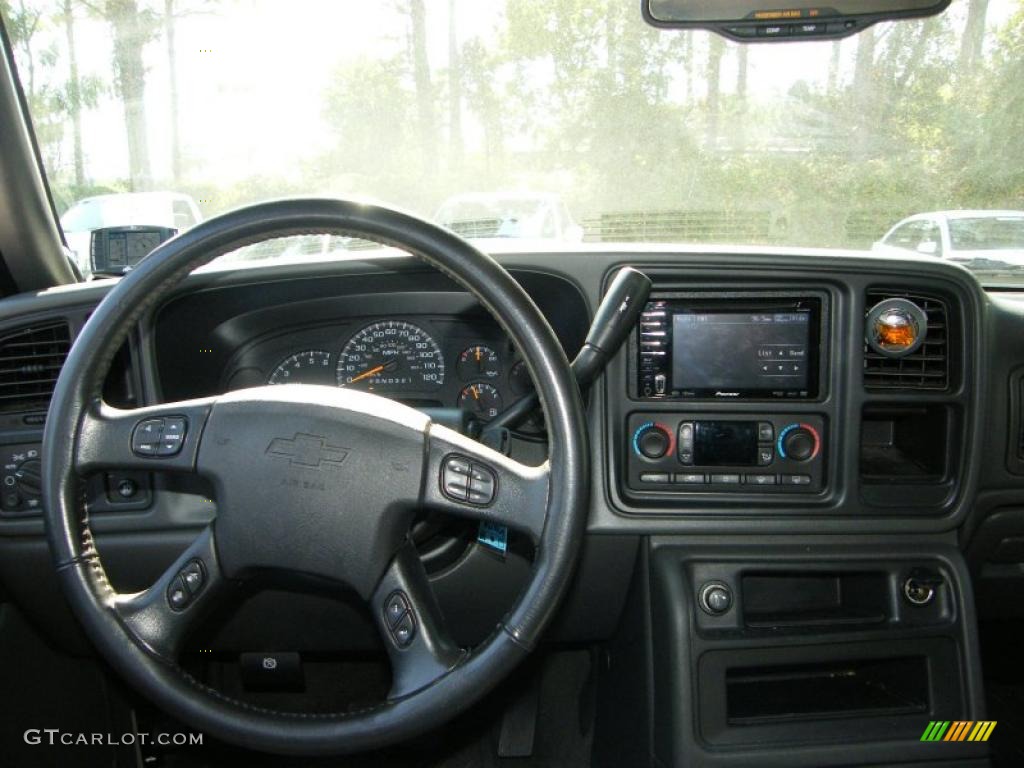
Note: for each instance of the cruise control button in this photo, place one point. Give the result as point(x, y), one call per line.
point(395, 608)
point(178, 596)
point(458, 466)
point(481, 485)
point(404, 631)
point(654, 477)
point(725, 479)
point(456, 487)
point(796, 479)
point(455, 478)
point(760, 479)
point(193, 577)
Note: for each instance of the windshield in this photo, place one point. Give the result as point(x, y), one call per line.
point(996, 233)
point(526, 121)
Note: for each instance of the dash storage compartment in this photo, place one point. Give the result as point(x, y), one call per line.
point(824, 693)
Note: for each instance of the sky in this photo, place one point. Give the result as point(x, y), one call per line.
point(252, 74)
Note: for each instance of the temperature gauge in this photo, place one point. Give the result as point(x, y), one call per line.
point(481, 400)
point(479, 362)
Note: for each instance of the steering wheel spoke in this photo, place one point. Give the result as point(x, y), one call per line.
point(159, 437)
point(468, 479)
point(161, 616)
point(411, 625)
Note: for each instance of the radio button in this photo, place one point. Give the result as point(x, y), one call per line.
point(760, 480)
point(765, 432)
point(686, 478)
point(654, 477)
point(725, 479)
point(659, 383)
point(765, 455)
point(686, 457)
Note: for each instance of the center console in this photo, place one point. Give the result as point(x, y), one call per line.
point(726, 389)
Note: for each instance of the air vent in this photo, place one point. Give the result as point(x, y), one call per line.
point(928, 366)
point(30, 361)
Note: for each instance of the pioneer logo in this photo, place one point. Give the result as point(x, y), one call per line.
point(727, 394)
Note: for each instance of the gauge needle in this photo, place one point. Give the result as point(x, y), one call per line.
point(478, 354)
point(366, 374)
point(476, 395)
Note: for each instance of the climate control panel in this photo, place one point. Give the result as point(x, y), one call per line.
point(704, 452)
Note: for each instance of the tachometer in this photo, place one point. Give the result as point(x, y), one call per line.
point(391, 356)
point(312, 366)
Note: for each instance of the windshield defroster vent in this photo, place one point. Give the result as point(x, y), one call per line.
point(30, 362)
point(925, 368)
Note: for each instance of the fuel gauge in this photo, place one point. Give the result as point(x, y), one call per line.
point(482, 400)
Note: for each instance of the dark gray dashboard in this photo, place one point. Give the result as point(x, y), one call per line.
point(223, 322)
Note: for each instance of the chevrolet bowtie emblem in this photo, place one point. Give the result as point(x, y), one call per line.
point(308, 451)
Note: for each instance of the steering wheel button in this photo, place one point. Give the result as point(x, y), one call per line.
point(174, 426)
point(395, 608)
point(146, 438)
point(404, 631)
point(193, 577)
point(168, 447)
point(178, 596)
point(458, 466)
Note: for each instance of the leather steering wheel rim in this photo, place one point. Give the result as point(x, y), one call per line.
point(70, 432)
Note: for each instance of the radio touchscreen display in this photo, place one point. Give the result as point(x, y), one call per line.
point(740, 351)
point(730, 349)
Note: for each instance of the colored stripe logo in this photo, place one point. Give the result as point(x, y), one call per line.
point(958, 730)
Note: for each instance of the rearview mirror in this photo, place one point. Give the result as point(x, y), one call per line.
point(767, 20)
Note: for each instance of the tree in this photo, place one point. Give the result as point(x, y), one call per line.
point(133, 29)
point(74, 90)
point(454, 90)
point(424, 87)
point(973, 41)
point(170, 24)
point(716, 50)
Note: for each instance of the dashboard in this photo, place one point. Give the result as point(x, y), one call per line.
point(764, 472)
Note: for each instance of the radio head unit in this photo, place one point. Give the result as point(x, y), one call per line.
point(729, 348)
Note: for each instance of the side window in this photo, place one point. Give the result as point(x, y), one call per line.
point(907, 236)
point(930, 240)
point(183, 218)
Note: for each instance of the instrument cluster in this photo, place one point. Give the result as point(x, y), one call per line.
point(423, 361)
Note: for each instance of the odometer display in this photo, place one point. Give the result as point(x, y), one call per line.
point(391, 356)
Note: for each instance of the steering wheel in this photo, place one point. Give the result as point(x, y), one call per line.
point(316, 481)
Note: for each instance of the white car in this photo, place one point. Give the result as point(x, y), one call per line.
point(156, 209)
point(964, 236)
point(521, 216)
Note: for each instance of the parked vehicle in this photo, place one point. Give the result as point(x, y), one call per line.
point(524, 216)
point(163, 209)
point(972, 237)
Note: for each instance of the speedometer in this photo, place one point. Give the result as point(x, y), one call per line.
point(391, 356)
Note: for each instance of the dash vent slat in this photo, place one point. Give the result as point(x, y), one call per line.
point(925, 369)
point(30, 362)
